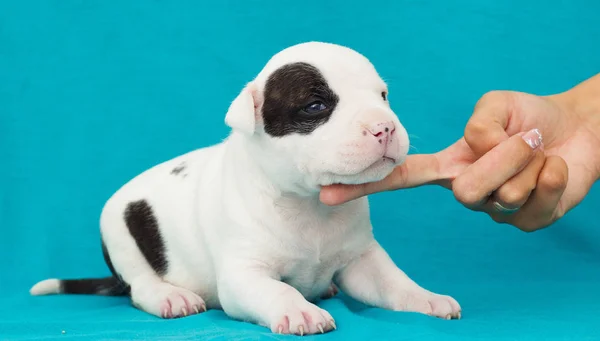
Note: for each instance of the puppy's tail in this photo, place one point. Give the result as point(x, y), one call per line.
point(108, 286)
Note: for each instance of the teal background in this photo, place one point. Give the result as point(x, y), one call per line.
point(94, 92)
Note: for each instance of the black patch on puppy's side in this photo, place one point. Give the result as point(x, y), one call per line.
point(143, 227)
point(289, 90)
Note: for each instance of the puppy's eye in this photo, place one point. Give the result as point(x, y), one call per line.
point(315, 107)
point(384, 95)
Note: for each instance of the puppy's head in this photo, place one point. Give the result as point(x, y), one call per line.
point(319, 114)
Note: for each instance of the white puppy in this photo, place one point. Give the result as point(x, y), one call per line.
point(238, 226)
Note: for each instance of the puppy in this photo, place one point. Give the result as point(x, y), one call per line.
point(238, 226)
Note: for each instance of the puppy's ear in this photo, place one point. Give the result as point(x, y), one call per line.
point(242, 113)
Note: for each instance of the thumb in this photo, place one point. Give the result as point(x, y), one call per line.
point(416, 170)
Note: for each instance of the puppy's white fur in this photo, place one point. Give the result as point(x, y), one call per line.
point(244, 229)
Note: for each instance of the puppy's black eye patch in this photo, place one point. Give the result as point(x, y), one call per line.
point(297, 100)
point(384, 95)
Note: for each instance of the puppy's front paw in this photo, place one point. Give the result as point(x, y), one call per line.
point(302, 319)
point(444, 306)
point(441, 306)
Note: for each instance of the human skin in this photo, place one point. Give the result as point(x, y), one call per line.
point(493, 161)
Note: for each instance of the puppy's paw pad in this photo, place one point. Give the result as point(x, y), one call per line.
point(307, 319)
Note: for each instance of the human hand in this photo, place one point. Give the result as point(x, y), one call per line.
point(493, 169)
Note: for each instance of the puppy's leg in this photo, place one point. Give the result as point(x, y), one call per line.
point(251, 294)
point(149, 292)
point(375, 280)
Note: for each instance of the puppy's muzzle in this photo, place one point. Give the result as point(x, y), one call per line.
point(383, 133)
point(382, 137)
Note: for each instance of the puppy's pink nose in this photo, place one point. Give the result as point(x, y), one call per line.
point(382, 130)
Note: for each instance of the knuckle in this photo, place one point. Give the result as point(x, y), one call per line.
point(481, 131)
point(491, 98)
point(553, 180)
point(467, 195)
point(480, 137)
point(513, 195)
point(475, 128)
point(477, 132)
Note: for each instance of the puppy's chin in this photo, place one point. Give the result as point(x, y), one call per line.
point(377, 171)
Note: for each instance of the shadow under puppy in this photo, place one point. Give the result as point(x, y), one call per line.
point(239, 226)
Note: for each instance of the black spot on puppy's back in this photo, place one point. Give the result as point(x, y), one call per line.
point(288, 91)
point(143, 227)
point(179, 168)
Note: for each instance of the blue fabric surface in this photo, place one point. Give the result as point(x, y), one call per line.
point(94, 92)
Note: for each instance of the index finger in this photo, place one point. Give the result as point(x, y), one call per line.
point(417, 170)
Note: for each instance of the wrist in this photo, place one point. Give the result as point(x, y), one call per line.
point(582, 103)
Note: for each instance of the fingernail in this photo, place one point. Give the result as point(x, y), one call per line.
point(533, 138)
